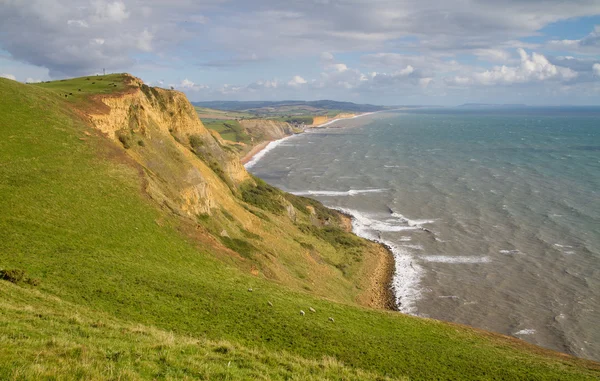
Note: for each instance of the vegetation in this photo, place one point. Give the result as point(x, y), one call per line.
point(263, 196)
point(78, 90)
point(125, 295)
point(228, 129)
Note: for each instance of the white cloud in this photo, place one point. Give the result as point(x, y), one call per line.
point(534, 67)
point(339, 67)
point(589, 43)
point(327, 57)
point(297, 81)
point(144, 42)
point(115, 11)
point(187, 85)
point(492, 55)
point(596, 68)
point(8, 76)
point(31, 80)
point(79, 23)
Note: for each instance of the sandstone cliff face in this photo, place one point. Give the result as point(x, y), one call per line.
point(317, 120)
point(160, 128)
point(263, 129)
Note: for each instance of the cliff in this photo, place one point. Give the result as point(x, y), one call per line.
point(265, 129)
point(191, 172)
point(160, 129)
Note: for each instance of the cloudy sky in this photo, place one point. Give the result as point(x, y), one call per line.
point(443, 52)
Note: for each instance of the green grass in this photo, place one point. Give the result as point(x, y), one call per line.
point(306, 119)
point(228, 129)
point(79, 89)
point(109, 261)
point(210, 113)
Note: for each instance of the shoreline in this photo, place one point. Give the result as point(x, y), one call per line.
point(251, 156)
point(345, 118)
point(254, 151)
point(260, 150)
point(379, 293)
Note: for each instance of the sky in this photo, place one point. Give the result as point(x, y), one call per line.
point(389, 52)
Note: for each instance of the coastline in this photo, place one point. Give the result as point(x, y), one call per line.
point(255, 150)
point(344, 118)
point(379, 287)
point(252, 156)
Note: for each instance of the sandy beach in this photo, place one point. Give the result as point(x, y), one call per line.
point(256, 149)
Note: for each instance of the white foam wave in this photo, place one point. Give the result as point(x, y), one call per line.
point(409, 222)
point(457, 259)
point(407, 274)
point(510, 252)
point(528, 331)
point(351, 192)
point(256, 158)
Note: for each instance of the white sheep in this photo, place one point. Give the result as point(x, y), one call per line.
point(312, 309)
point(302, 313)
point(331, 319)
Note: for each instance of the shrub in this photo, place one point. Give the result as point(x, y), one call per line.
point(196, 141)
point(250, 235)
point(141, 143)
point(240, 246)
point(263, 196)
point(13, 275)
point(334, 236)
point(125, 139)
point(227, 215)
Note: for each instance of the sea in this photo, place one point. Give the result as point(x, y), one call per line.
point(492, 215)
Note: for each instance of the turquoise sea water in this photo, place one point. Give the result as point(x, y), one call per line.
point(493, 216)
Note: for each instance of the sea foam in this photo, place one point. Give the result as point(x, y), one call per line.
point(256, 158)
point(351, 192)
point(455, 259)
point(407, 274)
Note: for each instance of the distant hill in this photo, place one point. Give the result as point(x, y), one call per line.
point(257, 105)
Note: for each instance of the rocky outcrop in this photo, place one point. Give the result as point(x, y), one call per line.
point(187, 167)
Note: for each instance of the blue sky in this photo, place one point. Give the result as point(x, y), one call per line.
point(379, 51)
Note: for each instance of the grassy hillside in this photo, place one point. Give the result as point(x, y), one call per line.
point(122, 290)
point(229, 129)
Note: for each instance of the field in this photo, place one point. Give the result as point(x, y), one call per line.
point(118, 292)
point(228, 129)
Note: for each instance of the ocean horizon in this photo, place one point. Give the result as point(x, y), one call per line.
point(492, 215)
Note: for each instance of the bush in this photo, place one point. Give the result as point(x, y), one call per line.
point(125, 139)
point(196, 141)
point(13, 275)
point(250, 235)
point(263, 196)
point(240, 246)
point(141, 143)
point(17, 276)
point(334, 236)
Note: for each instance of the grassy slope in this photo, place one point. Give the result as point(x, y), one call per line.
point(82, 226)
point(228, 129)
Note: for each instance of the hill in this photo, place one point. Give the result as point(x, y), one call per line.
point(134, 245)
point(264, 108)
